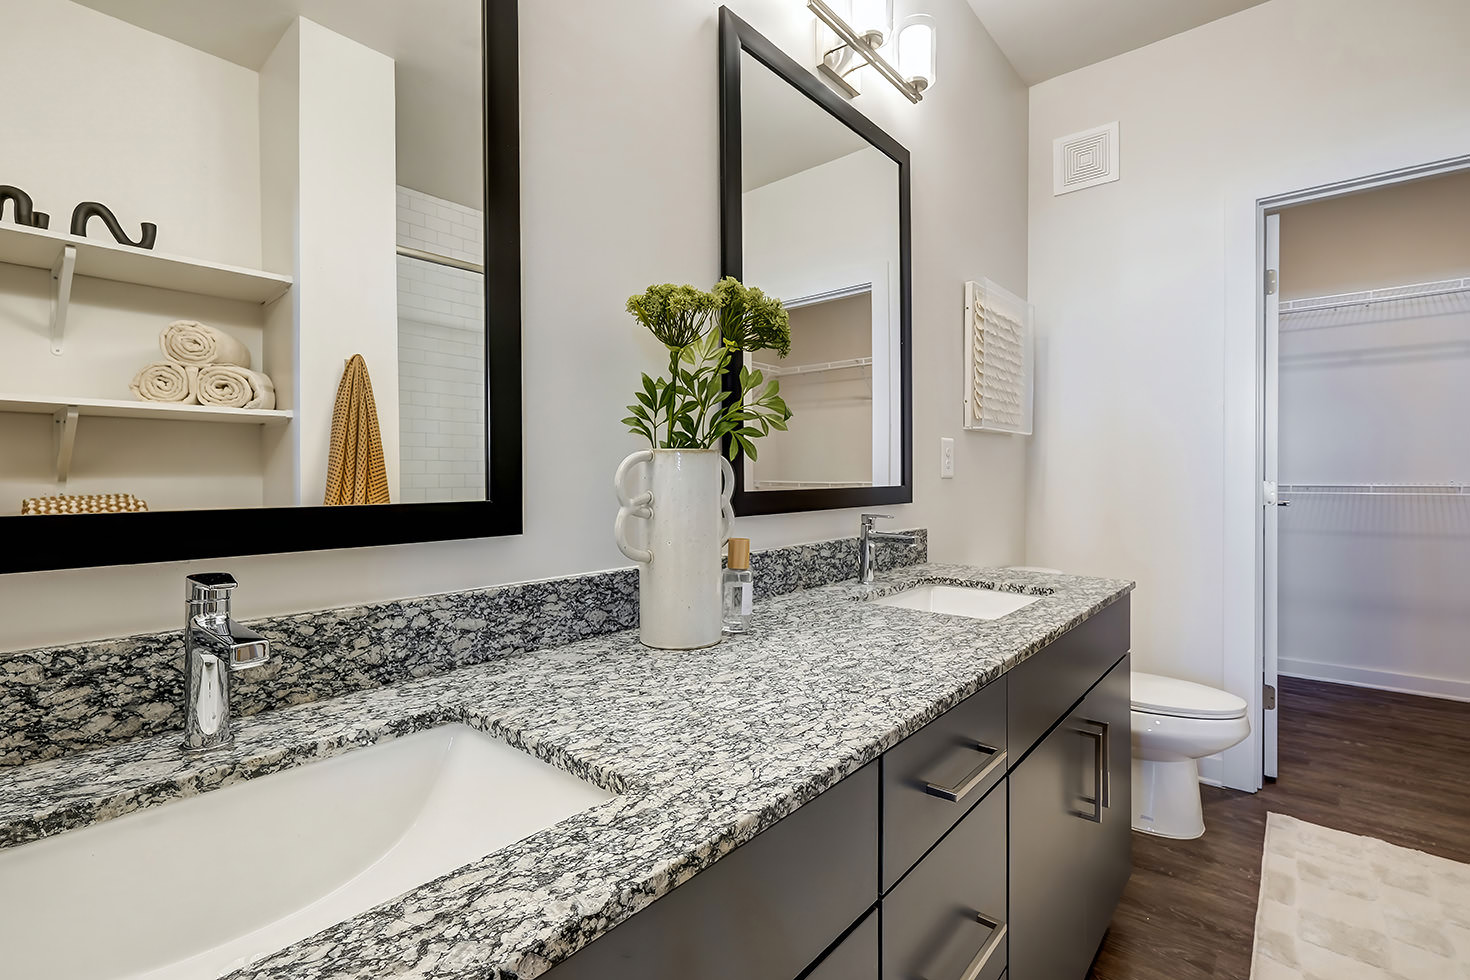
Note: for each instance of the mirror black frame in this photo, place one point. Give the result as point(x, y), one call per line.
point(84, 540)
point(736, 36)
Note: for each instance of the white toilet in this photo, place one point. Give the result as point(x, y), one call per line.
point(1175, 724)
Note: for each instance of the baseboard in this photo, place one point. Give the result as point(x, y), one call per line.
point(1212, 770)
point(1383, 680)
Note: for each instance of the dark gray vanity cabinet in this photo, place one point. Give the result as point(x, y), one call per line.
point(932, 778)
point(766, 910)
point(991, 844)
point(947, 917)
point(855, 957)
point(1070, 815)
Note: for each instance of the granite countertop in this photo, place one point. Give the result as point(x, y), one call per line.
point(704, 749)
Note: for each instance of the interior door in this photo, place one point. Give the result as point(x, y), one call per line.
point(1271, 498)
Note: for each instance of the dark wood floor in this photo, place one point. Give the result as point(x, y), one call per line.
point(1390, 766)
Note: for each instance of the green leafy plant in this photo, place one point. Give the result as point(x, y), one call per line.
point(690, 409)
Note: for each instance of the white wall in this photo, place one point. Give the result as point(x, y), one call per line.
point(158, 132)
point(99, 110)
point(1373, 588)
point(1143, 288)
point(328, 149)
point(441, 352)
point(606, 211)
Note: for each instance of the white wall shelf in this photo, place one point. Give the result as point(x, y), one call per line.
point(1372, 297)
point(1375, 489)
point(66, 256)
point(66, 413)
point(791, 370)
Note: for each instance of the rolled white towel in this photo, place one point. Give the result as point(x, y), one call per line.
point(192, 342)
point(234, 387)
point(165, 381)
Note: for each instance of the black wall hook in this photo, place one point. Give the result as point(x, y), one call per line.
point(90, 209)
point(24, 213)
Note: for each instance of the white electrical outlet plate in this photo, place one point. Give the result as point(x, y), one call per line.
point(946, 458)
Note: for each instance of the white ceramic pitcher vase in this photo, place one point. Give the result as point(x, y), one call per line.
point(685, 500)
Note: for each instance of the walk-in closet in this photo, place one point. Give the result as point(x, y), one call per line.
point(1372, 367)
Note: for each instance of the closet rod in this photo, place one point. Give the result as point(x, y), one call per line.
point(1369, 297)
point(1376, 489)
point(446, 260)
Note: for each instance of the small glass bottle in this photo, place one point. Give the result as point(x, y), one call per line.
point(737, 587)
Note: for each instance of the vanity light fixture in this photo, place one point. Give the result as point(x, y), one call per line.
point(845, 47)
point(918, 44)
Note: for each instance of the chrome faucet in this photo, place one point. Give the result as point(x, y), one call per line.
point(214, 647)
point(868, 539)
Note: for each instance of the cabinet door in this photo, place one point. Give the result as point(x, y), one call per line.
point(1070, 835)
point(1110, 845)
point(1049, 883)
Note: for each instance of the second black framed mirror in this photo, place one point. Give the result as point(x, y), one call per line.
point(815, 210)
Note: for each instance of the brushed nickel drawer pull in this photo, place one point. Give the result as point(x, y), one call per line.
point(973, 778)
point(987, 952)
point(1102, 778)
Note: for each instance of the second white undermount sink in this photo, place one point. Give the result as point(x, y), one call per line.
point(952, 600)
point(202, 886)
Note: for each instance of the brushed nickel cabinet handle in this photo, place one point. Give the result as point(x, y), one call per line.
point(987, 952)
point(1101, 771)
point(973, 778)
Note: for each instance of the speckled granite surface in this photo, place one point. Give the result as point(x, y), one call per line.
point(61, 700)
point(704, 748)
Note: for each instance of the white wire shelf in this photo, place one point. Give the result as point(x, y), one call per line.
point(1371, 297)
point(821, 367)
point(809, 484)
point(1375, 489)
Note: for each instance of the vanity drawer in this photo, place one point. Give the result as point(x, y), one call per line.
point(855, 958)
point(932, 778)
point(1045, 687)
point(768, 909)
point(947, 919)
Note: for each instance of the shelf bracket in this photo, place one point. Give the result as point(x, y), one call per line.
point(61, 277)
point(65, 440)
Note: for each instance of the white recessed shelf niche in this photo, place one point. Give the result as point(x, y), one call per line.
point(67, 256)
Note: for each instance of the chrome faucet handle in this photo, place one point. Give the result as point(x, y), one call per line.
point(209, 586)
point(868, 520)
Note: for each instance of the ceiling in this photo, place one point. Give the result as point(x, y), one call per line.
point(1046, 38)
point(435, 43)
point(782, 131)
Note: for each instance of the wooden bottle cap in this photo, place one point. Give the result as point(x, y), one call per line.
point(738, 554)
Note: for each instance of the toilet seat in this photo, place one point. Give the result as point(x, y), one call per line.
point(1157, 695)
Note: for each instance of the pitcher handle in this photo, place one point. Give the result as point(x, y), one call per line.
point(727, 512)
point(640, 506)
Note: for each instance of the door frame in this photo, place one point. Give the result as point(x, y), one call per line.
point(1245, 431)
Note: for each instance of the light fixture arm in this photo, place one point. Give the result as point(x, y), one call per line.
point(863, 46)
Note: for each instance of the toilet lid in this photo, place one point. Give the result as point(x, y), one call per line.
point(1157, 695)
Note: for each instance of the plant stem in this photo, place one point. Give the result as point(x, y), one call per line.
point(674, 393)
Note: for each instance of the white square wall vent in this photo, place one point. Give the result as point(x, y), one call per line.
point(1085, 159)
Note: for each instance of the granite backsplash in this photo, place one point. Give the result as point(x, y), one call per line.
point(60, 700)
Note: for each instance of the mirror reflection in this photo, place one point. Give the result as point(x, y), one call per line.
point(240, 255)
point(820, 209)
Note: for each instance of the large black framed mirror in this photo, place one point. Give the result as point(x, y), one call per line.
point(315, 188)
point(815, 210)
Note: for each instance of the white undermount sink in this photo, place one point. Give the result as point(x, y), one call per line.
point(977, 603)
point(201, 886)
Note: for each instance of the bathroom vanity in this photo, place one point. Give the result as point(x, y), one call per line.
point(988, 840)
point(861, 788)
